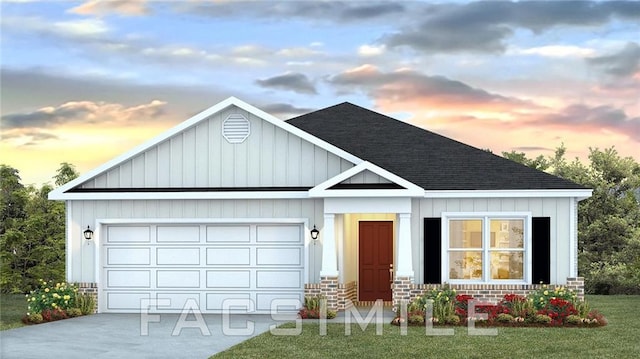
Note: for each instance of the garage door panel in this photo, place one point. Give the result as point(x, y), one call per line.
point(280, 233)
point(126, 301)
point(229, 279)
point(178, 256)
point(279, 256)
point(265, 300)
point(168, 234)
point(215, 301)
point(178, 279)
point(129, 278)
point(128, 256)
point(278, 279)
point(228, 256)
point(177, 300)
point(129, 234)
point(227, 233)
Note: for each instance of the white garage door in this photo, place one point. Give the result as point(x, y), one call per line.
point(205, 263)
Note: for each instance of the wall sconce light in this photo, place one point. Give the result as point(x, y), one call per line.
point(314, 233)
point(88, 233)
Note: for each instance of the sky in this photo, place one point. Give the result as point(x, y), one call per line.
point(85, 81)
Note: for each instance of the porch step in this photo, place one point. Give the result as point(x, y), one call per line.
point(370, 303)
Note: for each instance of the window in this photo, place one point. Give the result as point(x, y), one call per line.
point(487, 248)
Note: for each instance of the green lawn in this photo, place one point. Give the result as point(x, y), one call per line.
point(12, 308)
point(619, 339)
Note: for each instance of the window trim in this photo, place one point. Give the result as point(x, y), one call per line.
point(486, 217)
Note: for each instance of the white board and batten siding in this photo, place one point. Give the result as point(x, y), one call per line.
point(200, 156)
point(208, 264)
point(555, 208)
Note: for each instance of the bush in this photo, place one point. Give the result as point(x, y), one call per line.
point(542, 319)
point(416, 319)
point(541, 297)
point(74, 312)
point(35, 318)
point(312, 307)
point(504, 318)
point(50, 296)
point(573, 320)
point(85, 302)
point(452, 319)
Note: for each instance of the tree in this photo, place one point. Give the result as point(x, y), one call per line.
point(66, 173)
point(13, 197)
point(609, 226)
point(32, 247)
point(539, 163)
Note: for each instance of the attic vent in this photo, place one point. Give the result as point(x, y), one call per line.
point(236, 128)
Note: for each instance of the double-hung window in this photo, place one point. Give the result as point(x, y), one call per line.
point(491, 247)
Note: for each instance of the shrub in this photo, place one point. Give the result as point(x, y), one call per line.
point(312, 308)
point(35, 318)
point(504, 318)
point(416, 319)
point(50, 296)
point(542, 319)
point(542, 296)
point(452, 319)
point(74, 312)
point(573, 319)
point(49, 315)
point(558, 309)
point(85, 302)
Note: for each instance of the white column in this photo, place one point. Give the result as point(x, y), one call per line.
point(404, 256)
point(329, 257)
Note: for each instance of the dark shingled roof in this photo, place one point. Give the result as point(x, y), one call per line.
point(429, 160)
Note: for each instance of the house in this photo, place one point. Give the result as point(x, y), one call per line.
point(344, 202)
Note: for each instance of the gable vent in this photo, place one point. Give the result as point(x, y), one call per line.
point(236, 128)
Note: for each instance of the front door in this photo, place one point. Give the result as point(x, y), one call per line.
point(376, 260)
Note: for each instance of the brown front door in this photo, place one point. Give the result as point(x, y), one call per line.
point(376, 259)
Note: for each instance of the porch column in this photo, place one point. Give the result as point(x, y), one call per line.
point(329, 256)
point(329, 270)
point(404, 255)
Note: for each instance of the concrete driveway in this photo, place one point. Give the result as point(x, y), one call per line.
point(123, 336)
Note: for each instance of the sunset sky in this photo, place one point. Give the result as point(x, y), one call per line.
point(85, 81)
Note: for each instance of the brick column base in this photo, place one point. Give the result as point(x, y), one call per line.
point(401, 289)
point(577, 285)
point(329, 290)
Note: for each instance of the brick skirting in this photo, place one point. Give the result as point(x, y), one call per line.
point(340, 296)
point(488, 292)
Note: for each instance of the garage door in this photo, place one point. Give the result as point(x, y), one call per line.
point(205, 263)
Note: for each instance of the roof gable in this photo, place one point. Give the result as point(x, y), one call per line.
point(194, 155)
point(429, 160)
point(383, 184)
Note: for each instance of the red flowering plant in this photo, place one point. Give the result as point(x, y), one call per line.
point(462, 306)
point(558, 310)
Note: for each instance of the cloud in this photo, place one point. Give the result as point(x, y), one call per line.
point(596, 118)
point(623, 63)
point(485, 26)
point(285, 110)
point(120, 7)
point(81, 29)
point(407, 85)
point(556, 51)
point(326, 11)
point(86, 112)
point(291, 81)
point(371, 50)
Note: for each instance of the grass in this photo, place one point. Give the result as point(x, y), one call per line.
point(619, 339)
point(12, 308)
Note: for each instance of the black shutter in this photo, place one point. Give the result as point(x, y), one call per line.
point(432, 250)
point(541, 249)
